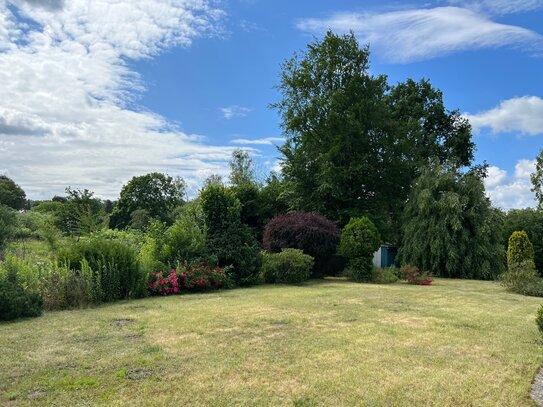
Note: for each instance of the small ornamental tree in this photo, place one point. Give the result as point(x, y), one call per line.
point(316, 235)
point(359, 240)
point(520, 249)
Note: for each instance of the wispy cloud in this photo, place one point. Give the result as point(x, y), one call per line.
point(261, 141)
point(411, 35)
point(500, 7)
point(522, 115)
point(65, 88)
point(511, 191)
point(234, 111)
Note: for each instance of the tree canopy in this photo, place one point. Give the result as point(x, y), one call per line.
point(354, 144)
point(11, 194)
point(449, 227)
point(157, 193)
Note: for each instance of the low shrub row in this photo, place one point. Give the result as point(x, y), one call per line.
point(189, 278)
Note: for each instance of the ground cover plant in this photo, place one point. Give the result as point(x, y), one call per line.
point(327, 342)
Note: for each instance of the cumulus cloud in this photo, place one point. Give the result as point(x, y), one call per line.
point(518, 115)
point(234, 111)
point(511, 191)
point(65, 87)
point(411, 35)
point(261, 141)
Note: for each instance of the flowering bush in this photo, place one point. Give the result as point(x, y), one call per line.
point(189, 277)
point(414, 276)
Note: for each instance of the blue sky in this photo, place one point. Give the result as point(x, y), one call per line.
point(92, 93)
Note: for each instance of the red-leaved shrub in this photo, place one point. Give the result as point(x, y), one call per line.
point(316, 235)
point(414, 276)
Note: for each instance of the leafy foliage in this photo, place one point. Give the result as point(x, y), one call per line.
point(230, 240)
point(360, 269)
point(539, 318)
point(316, 235)
point(116, 270)
point(414, 276)
point(81, 214)
point(522, 278)
point(520, 249)
point(157, 193)
point(8, 223)
point(354, 143)
point(290, 266)
point(450, 228)
point(531, 221)
point(11, 194)
point(15, 301)
point(359, 238)
point(388, 275)
point(537, 179)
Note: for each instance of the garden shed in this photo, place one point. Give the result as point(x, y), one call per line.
point(385, 256)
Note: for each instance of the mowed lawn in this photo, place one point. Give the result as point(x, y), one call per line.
point(331, 342)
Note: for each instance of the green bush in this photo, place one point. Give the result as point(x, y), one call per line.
point(519, 249)
point(359, 240)
point(539, 318)
point(290, 266)
point(387, 275)
point(116, 271)
point(8, 223)
point(360, 269)
point(15, 301)
point(62, 287)
point(522, 278)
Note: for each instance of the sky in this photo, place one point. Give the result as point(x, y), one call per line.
point(94, 92)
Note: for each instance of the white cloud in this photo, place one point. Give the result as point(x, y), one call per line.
point(261, 141)
point(500, 7)
point(65, 88)
point(509, 192)
point(230, 112)
point(518, 115)
point(410, 35)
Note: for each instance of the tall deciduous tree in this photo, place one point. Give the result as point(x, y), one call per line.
point(11, 194)
point(537, 180)
point(157, 193)
point(354, 144)
point(450, 229)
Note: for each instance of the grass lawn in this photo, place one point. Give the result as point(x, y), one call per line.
point(333, 343)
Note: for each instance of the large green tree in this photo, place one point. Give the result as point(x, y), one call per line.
point(157, 193)
point(537, 179)
point(11, 194)
point(353, 143)
point(450, 228)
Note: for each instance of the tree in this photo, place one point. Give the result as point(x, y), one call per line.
point(157, 193)
point(11, 194)
point(449, 228)
point(519, 249)
point(227, 237)
point(531, 221)
point(81, 213)
point(247, 190)
point(241, 168)
point(353, 143)
point(537, 180)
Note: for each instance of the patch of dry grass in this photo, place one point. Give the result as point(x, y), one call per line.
point(456, 343)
